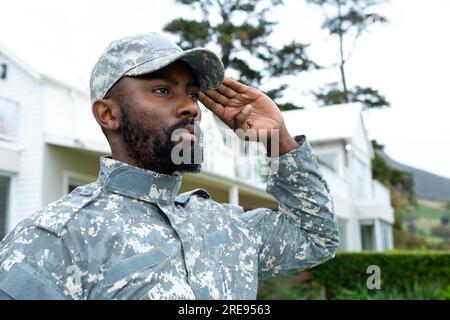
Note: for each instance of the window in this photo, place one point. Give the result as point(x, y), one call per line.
point(329, 160)
point(342, 223)
point(386, 235)
point(3, 71)
point(4, 203)
point(362, 176)
point(73, 180)
point(9, 116)
point(367, 235)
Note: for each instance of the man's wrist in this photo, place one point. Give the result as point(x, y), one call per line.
point(286, 143)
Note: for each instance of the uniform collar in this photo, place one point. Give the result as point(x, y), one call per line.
point(119, 177)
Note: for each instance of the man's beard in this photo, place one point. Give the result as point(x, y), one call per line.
point(151, 149)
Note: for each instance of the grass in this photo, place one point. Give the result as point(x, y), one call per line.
point(422, 210)
point(434, 240)
point(425, 216)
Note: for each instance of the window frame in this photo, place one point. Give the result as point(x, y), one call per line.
point(8, 205)
point(72, 177)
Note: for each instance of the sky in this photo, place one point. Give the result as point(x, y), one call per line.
point(407, 60)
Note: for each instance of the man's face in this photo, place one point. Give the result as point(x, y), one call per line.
point(159, 118)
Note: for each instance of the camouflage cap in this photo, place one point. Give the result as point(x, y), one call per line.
point(148, 52)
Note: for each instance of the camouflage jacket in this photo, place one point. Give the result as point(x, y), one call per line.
point(130, 236)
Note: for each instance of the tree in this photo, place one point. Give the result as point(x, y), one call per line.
point(447, 205)
point(349, 19)
point(401, 181)
point(241, 33)
point(401, 189)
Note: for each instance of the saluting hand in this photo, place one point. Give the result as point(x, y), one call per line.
point(243, 107)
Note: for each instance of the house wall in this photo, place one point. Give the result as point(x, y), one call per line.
point(332, 147)
point(61, 161)
point(220, 191)
point(65, 109)
point(22, 87)
point(10, 157)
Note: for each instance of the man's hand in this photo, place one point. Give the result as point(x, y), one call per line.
point(248, 109)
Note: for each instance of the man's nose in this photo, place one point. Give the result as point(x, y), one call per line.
point(188, 108)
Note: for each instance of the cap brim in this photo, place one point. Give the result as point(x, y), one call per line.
point(206, 66)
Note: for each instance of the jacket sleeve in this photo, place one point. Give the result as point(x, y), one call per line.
point(37, 265)
point(303, 232)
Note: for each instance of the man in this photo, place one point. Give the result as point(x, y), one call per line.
point(129, 235)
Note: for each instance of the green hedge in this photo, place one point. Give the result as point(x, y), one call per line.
point(404, 275)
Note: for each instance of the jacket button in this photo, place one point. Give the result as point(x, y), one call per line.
point(86, 193)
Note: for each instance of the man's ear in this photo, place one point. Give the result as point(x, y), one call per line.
point(107, 113)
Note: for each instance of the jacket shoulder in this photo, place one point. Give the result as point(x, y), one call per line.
point(56, 215)
point(199, 192)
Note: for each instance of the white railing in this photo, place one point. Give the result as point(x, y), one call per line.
point(9, 119)
point(380, 194)
point(231, 162)
point(338, 186)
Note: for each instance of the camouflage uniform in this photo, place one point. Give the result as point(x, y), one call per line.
point(130, 236)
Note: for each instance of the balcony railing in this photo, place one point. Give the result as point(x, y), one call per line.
point(380, 194)
point(338, 186)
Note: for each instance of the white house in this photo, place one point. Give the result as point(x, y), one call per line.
point(50, 143)
point(339, 139)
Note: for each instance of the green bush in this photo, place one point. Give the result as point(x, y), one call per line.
point(404, 275)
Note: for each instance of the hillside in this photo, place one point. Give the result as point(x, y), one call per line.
point(428, 185)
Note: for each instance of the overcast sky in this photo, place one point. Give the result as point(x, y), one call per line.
point(407, 60)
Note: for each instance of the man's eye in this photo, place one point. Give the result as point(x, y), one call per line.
point(161, 90)
point(193, 95)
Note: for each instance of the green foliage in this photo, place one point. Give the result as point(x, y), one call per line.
point(404, 275)
point(401, 189)
point(407, 241)
point(447, 205)
point(192, 33)
point(295, 287)
point(410, 292)
point(332, 94)
point(345, 16)
point(402, 181)
point(291, 59)
point(349, 19)
point(441, 231)
point(424, 211)
point(399, 271)
point(242, 30)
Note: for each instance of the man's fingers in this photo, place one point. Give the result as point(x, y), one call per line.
point(217, 97)
point(235, 85)
point(227, 91)
point(212, 105)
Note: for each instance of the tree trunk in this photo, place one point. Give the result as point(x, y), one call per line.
point(341, 51)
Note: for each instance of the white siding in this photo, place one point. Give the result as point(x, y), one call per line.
point(332, 148)
point(68, 114)
point(59, 160)
point(22, 88)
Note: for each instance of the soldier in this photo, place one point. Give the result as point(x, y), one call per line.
point(129, 235)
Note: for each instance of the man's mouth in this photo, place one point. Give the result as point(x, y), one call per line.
point(187, 133)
